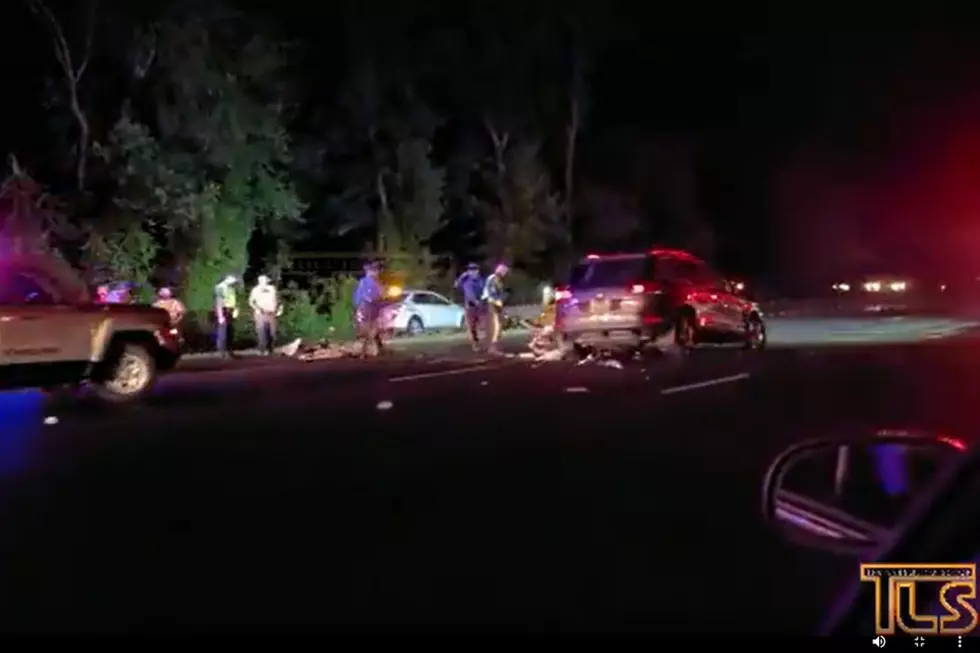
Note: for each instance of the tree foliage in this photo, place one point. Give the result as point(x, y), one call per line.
point(201, 140)
point(31, 220)
point(207, 168)
point(521, 213)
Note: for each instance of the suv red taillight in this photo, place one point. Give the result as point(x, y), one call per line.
point(562, 294)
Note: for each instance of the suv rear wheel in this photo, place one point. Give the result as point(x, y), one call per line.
point(686, 331)
point(755, 333)
point(127, 374)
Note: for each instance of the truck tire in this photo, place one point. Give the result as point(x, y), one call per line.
point(127, 374)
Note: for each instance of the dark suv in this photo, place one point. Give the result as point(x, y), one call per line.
point(623, 300)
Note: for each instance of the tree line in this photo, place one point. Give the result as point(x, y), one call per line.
point(184, 141)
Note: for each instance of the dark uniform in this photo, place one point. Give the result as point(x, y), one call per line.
point(471, 284)
point(368, 296)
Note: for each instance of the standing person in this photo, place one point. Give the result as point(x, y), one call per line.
point(367, 308)
point(264, 302)
point(225, 311)
point(169, 303)
point(493, 295)
point(471, 284)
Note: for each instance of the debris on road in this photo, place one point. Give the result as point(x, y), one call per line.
point(384, 405)
point(292, 348)
point(323, 350)
point(50, 421)
point(552, 356)
point(576, 389)
point(667, 343)
point(546, 346)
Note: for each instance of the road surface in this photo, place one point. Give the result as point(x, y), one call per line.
point(441, 494)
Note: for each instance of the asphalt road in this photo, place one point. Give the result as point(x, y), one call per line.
point(414, 493)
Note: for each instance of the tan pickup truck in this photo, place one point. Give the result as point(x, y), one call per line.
point(52, 333)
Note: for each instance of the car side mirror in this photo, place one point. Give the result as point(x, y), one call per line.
point(848, 495)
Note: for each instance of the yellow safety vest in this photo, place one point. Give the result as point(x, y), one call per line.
point(227, 297)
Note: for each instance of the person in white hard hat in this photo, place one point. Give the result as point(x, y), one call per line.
point(264, 302)
point(169, 303)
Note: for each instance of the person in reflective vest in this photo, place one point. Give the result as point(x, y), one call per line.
point(368, 296)
point(266, 309)
point(493, 295)
point(225, 311)
point(174, 307)
point(471, 285)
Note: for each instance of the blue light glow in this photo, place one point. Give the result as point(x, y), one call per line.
point(21, 417)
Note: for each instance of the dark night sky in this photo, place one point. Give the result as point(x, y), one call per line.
point(874, 106)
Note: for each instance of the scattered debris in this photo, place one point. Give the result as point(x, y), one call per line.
point(526, 355)
point(384, 405)
point(611, 362)
point(552, 356)
point(324, 350)
point(50, 421)
point(292, 348)
point(587, 359)
point(484, 382)
point(667, 343)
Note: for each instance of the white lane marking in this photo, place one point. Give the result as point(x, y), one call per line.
point(435, 375)
point(705, 384)
point(577, 389)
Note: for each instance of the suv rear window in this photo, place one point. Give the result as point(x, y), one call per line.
point(611, 273)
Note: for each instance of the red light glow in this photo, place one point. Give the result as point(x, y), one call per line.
point(956, 443)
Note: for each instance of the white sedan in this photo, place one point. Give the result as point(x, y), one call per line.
point(417, 311)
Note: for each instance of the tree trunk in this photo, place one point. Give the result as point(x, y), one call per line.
point(384, 213)
point(81, 161)
point(73, 73)
point(571, 138)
